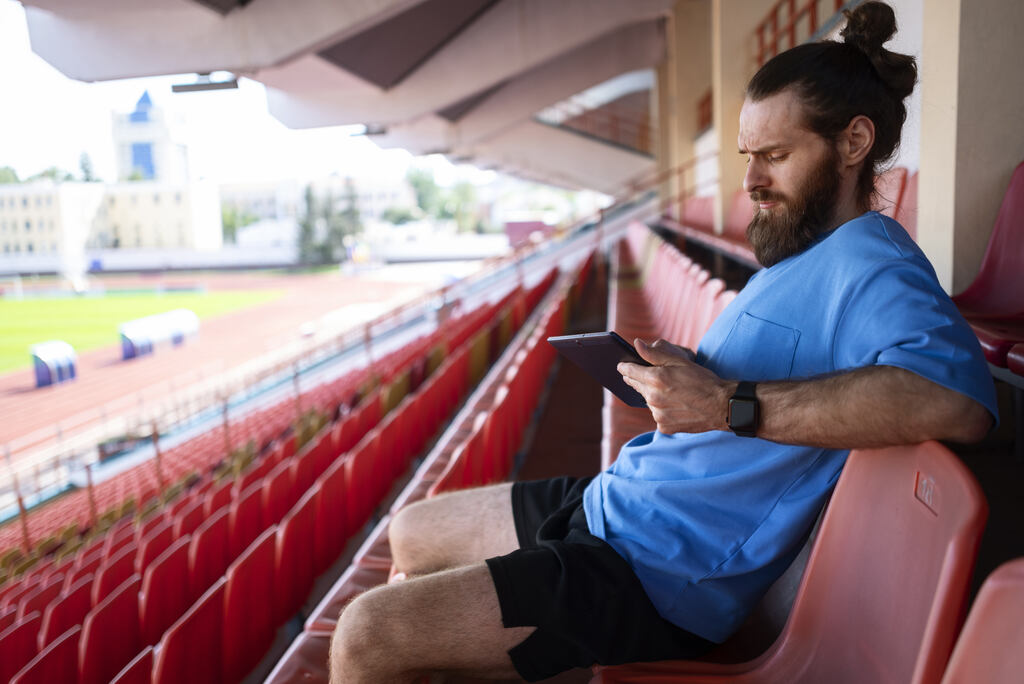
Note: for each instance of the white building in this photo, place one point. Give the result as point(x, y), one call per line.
point(146, 147)
point(155, 215)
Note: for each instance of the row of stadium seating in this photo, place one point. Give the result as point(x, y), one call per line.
point(654, 291)
point(994, 302)
point(214, 524)
point(477, 449)
point(64, 518)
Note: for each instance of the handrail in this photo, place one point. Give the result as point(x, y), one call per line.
point(772, 29)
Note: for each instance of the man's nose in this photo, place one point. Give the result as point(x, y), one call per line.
point(754, 178)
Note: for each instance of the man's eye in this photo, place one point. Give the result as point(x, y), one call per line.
point(774, 159)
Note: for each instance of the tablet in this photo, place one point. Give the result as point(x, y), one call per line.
point(598, 354)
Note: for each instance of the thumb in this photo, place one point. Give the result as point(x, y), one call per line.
point(659, 353)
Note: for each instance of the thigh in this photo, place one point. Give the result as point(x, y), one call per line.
point(446, 621)
point(453, 530)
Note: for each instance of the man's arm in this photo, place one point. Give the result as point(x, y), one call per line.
point(867, 407)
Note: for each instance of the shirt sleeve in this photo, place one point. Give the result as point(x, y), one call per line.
point(900, 316)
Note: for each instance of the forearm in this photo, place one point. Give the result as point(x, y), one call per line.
point(868, 407)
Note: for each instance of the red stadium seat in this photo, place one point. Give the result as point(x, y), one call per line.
point(1015, 359)
point(18, 645)
point(331, 531)
point(153, 544)
point(304, 661)
point(58, 662)
point(245, 518)
point(67, 611)
point(114, 572)
point(354, 581)
point(190, 651)
point(110, 634)
point(992, 303)
point(138, 671)
point(361, 472)
point(209, 553)
point(913, 513)
point(294, 558)
point(989, 648)
point(85, 565)
point(248, 633)
point(278, 492)
point(906, 213)
point(188, 518)
point(38, 598)
point(165, 594)
point(217, 498)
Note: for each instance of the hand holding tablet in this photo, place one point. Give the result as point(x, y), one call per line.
point(599, 354)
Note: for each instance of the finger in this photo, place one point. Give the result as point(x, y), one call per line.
point(634, 371)
point(661, 353)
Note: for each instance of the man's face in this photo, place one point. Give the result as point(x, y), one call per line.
point(792, 177)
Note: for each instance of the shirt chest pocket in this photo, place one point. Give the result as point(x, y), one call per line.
point(758, 349)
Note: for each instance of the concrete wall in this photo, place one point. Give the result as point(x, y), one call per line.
point(972, 106)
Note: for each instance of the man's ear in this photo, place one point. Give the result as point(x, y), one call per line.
point(856, 140)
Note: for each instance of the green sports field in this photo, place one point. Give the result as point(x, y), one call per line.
point(90, 322)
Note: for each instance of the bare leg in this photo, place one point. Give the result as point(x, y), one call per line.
point(448, 621)
point(452, 530)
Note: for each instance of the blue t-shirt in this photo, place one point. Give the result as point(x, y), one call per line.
point(708, 521)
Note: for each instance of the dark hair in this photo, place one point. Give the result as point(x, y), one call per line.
point(838, 81)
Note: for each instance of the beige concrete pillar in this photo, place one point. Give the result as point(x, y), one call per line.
point(733, 62)
point(972, 106)
point(683, 79)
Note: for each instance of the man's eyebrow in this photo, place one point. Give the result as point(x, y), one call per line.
point(765, 149)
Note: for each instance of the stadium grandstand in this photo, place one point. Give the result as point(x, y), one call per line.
point(256, 505)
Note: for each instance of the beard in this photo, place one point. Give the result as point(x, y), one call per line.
point(794, 224)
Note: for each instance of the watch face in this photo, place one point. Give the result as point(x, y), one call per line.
point(742, 414)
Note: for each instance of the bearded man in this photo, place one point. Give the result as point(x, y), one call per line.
point(844, 340)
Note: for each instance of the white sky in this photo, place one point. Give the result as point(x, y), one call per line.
point(47, 119)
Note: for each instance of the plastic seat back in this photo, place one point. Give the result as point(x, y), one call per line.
point(110, 634)
point(906, 213)
point(989, 648)
point(58, 662)
point(246, 518)
point(331, 530)
point(208, 553)
point(248, 633)
point(67, 611)
point(899, 539)
point(18, 645)
point(1000, 280)
point(885, 584)
point(114, 572)
point(155, 542)
point(138, 671)
point(294, 559)
point(165, 591)
point(190, 651)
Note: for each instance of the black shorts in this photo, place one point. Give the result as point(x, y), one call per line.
point(585, 601)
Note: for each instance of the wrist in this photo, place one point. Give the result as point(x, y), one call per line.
point(744, 417)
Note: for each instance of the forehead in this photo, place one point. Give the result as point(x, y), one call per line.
point(773, 121)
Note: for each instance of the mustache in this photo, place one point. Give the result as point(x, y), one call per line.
point(766, 196)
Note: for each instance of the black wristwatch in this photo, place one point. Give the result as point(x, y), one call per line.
point(744, 410)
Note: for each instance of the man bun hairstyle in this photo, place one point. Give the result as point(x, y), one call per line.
point(837, 81)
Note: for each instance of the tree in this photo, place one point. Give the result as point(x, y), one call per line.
point(232, 220)
point(85, 165)
point(323, 230)
point(8, 175)
point(398, 215)
point(462, 201)
point(428, 194)
point(307, 229)
point(52, 173)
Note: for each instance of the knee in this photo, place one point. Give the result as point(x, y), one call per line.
point(406, 537)
point(358, 647)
